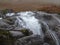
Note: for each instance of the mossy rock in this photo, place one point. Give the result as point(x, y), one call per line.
point(26, 32)
point(7, 11)
point(5, 38)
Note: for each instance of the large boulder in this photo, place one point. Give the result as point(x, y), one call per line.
point(30, 40)
point(16, 34)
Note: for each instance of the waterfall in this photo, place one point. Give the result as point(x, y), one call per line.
point(10, 14)
point(27, 20)
point(0, 18)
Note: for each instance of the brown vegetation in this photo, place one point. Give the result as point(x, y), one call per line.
point(30, 7)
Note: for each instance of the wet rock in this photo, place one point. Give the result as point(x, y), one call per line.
point(4, 38)
point(29, 40)
point(4, 41)
point(10, 20)
point(47, 17)
point(45, 44)
point(16, 34)
point(26, 32)
point(3, 12)
point(57, 29)
point(7, 11)
point(4, 25)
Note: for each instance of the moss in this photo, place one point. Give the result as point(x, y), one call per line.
point(25, 32)
point(5, 11)
point(5, 38)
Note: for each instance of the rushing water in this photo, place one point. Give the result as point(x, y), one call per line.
point(50, 33)
point(28, 20)
point(32, 21)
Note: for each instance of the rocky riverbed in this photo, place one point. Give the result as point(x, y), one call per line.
point(29, 28)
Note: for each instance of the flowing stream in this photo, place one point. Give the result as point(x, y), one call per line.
point(29, 21)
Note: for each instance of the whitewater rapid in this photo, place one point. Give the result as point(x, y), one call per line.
point(28, 20)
